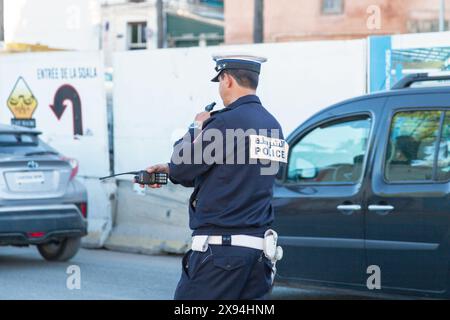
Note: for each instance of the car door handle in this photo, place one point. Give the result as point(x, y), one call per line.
point(381, 209)
point(348, 209)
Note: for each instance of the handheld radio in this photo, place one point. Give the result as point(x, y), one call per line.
point(210, 107)
point(143, 177)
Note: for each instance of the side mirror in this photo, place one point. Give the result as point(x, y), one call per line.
point(305, 169)
point(308, 173)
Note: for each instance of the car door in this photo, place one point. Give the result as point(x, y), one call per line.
point(318, 198)
point(407, 223)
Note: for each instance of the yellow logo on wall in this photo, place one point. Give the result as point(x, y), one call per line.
point(21, 101)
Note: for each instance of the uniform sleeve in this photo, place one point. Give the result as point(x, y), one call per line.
point(187, 161)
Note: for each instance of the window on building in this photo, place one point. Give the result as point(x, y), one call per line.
point(137, 35)
point(215, 3)
point(411, 152)
point(424, 25)
point(332, 6)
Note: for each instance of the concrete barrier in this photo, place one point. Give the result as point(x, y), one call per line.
point(101, 205)
point(151, 221)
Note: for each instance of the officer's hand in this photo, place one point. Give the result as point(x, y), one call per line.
point(163, 167)
point(202, 117)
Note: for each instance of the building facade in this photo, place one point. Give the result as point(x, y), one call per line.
point(297, 20)
point(62, 24)
point(132, 24)
point(110, 25)
point(128, 25)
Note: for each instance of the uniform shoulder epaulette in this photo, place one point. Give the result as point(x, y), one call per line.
point(219, 111)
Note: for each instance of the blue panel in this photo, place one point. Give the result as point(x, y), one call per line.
point(379, 45)
point(398, 72)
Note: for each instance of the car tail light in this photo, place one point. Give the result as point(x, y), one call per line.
point(83, 208)
point(35, 234)
point(73, 164)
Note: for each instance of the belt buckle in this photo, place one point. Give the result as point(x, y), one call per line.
point(226, 240)
point(200, 243)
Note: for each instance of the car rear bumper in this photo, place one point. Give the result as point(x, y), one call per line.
point(23, 225)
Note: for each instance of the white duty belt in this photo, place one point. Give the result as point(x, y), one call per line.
point(268, 244)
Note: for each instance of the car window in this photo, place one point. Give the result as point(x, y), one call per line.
point(411, 149)
point(443, 173)
point(331, 153)
point(17, 139)
point(21, 144)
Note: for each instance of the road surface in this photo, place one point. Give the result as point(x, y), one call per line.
point(103, 275)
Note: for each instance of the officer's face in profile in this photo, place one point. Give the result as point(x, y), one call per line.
point(225, 88)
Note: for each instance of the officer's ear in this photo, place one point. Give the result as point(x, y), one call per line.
point(228, 80)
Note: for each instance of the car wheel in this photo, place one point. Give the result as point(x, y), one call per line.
point(60, 250)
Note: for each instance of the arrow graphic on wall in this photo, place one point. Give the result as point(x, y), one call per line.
point(63, 95)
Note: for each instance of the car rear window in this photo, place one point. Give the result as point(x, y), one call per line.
point(22, 143)
point(18, 139)
point(415, 137)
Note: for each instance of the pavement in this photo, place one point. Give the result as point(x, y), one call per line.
point(103, 275)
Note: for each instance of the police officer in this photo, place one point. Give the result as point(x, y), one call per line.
point(230, 212)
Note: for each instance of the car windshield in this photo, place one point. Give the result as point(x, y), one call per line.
point(23, 144)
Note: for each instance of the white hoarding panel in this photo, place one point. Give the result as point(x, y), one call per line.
point(157, 93)
point(63, 94)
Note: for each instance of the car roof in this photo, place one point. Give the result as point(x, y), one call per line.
point(387, 94)
point(5, 128)
point(376, 95)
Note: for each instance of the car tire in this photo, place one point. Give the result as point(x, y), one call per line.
point(62, 250)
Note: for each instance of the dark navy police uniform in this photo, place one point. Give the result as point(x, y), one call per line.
point(228, 199)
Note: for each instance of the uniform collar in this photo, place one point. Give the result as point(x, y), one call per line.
point(251, 98)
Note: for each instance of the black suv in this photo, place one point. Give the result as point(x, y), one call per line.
point(367, 189)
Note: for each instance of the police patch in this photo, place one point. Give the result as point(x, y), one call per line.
point(262, 147)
